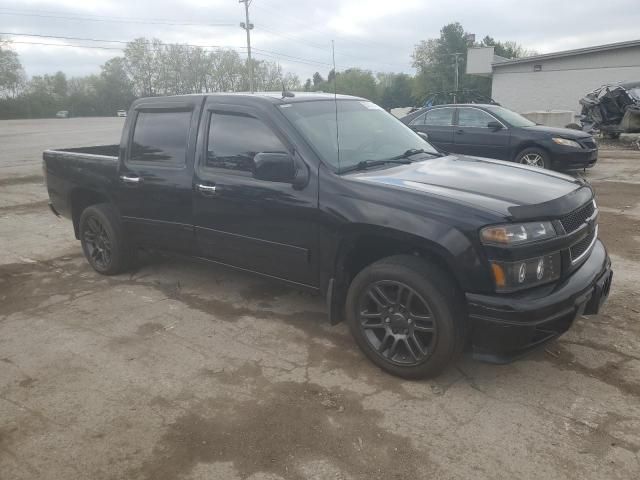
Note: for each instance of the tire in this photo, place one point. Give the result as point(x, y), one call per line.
point(537, 155)
point(103, 240)
point(429, 285)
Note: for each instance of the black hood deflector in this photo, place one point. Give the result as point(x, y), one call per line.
point(557, 207)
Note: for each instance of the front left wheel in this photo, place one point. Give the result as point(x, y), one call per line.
point(534, 157)
point(404, 313)
point(103, 240)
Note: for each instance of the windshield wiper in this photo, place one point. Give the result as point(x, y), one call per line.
point(402, 159)
point(408, 153)
point(365, 164)
point(415, 151)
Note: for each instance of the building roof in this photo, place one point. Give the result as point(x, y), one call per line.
point(568, 53)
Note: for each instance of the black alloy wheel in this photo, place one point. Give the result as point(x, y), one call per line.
point(407, 315)
point(97, 243)
point(397, 322)
point(103, 239)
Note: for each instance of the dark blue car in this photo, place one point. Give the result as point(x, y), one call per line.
point(493, 131)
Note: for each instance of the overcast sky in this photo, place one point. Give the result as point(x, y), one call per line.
point(378, 35)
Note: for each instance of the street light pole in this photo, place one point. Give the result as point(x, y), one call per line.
point(248, 26)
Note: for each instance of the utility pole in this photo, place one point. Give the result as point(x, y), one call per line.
point(248, 26)
point(455, 93)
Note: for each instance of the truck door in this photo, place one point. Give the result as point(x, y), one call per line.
point(474, 136)
point(155, 174)
point(264, 226)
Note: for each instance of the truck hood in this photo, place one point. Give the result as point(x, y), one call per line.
point(508, 189)
point(559, 132)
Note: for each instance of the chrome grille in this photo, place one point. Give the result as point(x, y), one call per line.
point(575, 219)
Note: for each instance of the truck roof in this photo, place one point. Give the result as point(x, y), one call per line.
point(271, 97)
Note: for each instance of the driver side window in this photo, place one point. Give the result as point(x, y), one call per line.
point(235, 139)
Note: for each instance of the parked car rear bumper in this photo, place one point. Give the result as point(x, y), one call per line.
point(504, 327)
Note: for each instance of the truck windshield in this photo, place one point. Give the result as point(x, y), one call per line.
point(366, 133)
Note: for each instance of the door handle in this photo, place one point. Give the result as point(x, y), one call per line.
point(460, 131)
point(131, 179)
point(206, 189)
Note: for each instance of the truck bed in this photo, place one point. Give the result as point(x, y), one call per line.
point(100, 150)
point(68, 171)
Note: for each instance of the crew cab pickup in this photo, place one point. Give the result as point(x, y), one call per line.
point(424, 254)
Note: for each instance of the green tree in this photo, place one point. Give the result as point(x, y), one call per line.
point(12, 76)
point(317, 79)
point(395, 90)
point(506, 49)
point(353, 81)
point(307, 85)
point(435, 61)
point(144, 65)
point(113, 88)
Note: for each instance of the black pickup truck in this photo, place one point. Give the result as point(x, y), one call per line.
point(424, 254)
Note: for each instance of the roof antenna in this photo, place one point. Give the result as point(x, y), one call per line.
point(335, 98)
point(285, 93)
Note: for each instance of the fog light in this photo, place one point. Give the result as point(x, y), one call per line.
point(540, 269)
point(511, 276)
point(522, 272)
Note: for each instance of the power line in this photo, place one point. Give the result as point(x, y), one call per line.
point(101, 18)
point(324, 49)
point(114, 19)
point(68, 45)
point(112, 41)
point(304, 23)
point(270, 53)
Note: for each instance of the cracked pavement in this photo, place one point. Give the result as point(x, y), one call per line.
point(180, 370)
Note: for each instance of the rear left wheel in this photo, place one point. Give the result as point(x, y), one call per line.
point(103, 239)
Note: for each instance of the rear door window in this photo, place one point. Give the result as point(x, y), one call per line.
point(161, 138)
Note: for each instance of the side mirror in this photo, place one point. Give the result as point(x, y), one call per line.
point(494, 125)
point(274, 167)
point(424, 136)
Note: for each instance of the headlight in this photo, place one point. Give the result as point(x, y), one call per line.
point(517, 233)
point(511, 276)
point(566, 142)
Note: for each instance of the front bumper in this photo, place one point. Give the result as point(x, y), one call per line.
point(504, 327)
point(568, 160)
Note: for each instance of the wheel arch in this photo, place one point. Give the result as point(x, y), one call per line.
point(361, 245)
point(529, 144)
point(81, 198)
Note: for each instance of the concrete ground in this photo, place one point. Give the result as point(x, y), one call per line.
point(185, 371)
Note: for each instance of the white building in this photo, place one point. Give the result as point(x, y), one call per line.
point(555, 81)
